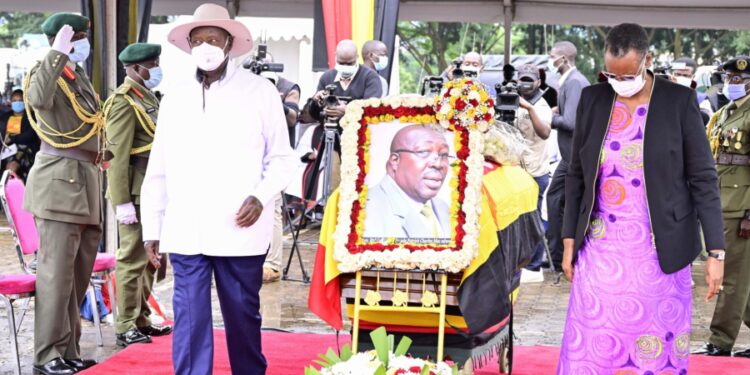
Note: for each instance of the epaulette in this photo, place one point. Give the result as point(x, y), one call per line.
point(123, 89)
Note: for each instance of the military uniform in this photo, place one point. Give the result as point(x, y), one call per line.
point(63, 193)
point(130, 123)
point(729, 134)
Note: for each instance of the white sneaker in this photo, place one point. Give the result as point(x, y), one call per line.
point(531, 276)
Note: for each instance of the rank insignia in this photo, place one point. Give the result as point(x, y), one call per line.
point(741, 64)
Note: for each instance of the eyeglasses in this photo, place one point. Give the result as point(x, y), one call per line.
point(443, 157)
point(194, 42)
point(734, 78)
point(626, 77)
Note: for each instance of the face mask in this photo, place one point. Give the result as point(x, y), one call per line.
point(734, 91)
point(207, 57)
point(81, 50)
point(627, 89)
point(526, 88)
point(154, 75)
point(551, 65)
point(382, 63)
point(17, 106)
point(347, 70)
point(684, 81)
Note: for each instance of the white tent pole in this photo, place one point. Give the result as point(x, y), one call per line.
point(109, 76)
point(508, 25)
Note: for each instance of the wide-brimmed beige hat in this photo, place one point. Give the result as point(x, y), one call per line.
point(213, 15)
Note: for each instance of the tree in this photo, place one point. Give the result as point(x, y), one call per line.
point(14, 24)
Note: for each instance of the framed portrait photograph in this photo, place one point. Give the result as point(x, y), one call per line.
point(410, 187)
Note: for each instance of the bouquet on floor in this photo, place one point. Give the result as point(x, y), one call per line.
point(383, 360)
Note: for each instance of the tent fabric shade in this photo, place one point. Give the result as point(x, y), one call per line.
point(708, 14)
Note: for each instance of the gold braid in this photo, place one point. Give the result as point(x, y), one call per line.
point(713, 134)
point(143, 118)
point(95, 120)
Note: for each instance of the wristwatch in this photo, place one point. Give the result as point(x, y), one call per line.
point(719, 255)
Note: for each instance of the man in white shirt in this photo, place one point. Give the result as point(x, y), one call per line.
point(216, 226)
point(405, 204)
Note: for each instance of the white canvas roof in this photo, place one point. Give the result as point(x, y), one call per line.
point(715, 14)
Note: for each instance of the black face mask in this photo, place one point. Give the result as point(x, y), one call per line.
point(526, 88)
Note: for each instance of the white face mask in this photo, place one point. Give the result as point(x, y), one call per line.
point(627, 89)
point(81, 50)
point(551, 65)
point(347, 71)
point(684, 81)
point(382, 63)
point(207, 57)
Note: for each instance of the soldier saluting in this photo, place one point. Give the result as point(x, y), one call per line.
point(130, 115)
point(728, 133)
point(64, 191)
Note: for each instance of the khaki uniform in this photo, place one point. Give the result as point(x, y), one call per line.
point(729, 133)
point(64, 194)
point(130, 122)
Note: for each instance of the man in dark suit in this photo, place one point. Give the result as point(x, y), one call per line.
point(562, 59)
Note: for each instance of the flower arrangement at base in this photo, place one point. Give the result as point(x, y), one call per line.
point(383, 360)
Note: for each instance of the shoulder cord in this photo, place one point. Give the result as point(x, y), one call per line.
point(143, 118)
point(713, 134)
point(45, 131)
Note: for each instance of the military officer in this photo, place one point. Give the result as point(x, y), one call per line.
point(130, 117)
point(728, 131)
point(64, 191)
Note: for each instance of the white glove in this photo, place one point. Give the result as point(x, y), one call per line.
point(126, 213)
point(63, 40)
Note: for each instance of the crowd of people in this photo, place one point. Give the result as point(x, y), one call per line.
point(626, 217)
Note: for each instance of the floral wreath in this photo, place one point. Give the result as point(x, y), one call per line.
point(352, 253)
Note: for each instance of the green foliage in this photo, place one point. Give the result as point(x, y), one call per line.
point(14, 24)
point(428, 47)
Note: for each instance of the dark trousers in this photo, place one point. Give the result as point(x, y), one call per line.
point(536, 260)
point(555, 209)
point(238, 282)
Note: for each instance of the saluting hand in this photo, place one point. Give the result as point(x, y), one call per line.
point(249, 212)
point(63, 40)
point(152, 250)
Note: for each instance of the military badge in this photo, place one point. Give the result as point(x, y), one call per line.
point(741, 64)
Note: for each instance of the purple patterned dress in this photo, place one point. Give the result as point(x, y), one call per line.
point(625, 316)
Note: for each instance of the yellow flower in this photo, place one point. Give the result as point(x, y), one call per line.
point(483, 95)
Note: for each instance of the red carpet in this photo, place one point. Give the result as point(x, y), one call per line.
point(289, 353)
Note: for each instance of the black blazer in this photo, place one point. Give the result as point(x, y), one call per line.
point(680, 175)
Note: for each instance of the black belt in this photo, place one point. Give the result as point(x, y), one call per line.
point(139, 162)
point(70, 153)
point(732, 159)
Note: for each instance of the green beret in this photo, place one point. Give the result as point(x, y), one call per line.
point(55, 22)
point(138, 52)
point(739, 64)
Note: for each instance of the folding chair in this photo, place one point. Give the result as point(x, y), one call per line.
point(24, 231)
point(15, 287)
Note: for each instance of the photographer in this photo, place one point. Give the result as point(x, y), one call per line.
point(533, 120)
point(348, 80)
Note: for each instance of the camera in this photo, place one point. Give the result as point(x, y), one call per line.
point(459, 73)
point(257, 64)
point(331, 100)
point(507, 99)
point(431, 86)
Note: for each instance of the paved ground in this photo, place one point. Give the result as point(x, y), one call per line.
point(540, 311)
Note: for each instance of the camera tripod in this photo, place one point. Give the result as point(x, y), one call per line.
point(295, 225)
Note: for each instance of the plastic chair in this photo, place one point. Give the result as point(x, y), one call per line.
point(25, 234)
point(14, 287)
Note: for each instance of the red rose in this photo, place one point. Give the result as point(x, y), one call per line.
point(474, 102)
point(460, 105)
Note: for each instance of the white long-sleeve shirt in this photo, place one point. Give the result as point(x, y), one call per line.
point(205, 162)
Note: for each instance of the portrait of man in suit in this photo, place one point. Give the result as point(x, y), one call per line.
point(405, 203)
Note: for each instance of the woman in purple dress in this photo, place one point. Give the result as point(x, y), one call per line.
point(641, 179)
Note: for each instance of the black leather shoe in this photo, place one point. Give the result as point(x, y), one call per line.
point(80, 364)
point(743, 353)
point(132, 336)
point(56, 366)
point(156, 331)
point(712, 350)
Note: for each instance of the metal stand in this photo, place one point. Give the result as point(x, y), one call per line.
point(295, 225)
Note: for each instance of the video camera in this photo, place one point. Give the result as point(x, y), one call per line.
point(431, 86)
point(458, 73)
point(331, 100)
point(257, 64)
point(507, 99)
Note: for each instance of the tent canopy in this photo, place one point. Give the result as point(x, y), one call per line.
point(708, 14)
